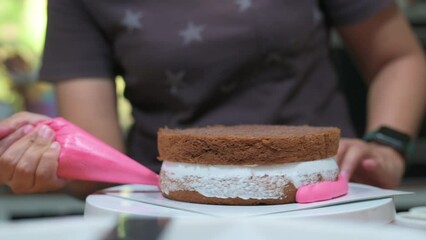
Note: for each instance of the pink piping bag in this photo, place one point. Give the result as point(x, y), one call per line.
point(85, 157)
point(323, 191)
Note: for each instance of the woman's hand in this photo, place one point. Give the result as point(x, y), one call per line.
point(370, 163)
point(28, 154)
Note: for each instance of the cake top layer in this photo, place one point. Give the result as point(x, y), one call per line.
point(249, 131)
point(247, 144)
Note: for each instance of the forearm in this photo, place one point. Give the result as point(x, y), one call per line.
point(91, 104)
point(392, 61)
point(397, 95)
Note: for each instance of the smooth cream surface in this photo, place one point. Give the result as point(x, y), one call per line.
point(249, 181)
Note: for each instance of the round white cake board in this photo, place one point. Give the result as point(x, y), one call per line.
point(381, 211)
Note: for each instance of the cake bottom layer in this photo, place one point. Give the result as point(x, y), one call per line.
point(242, 185)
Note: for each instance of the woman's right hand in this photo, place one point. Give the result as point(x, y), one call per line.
point(28, 154)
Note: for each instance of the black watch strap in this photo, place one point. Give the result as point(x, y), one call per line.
point(392, 138)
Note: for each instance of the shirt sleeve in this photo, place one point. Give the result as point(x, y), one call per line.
point(75, 46)
point(344, 12)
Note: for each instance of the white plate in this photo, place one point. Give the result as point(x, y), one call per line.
point(149, 195)
point(415, 217)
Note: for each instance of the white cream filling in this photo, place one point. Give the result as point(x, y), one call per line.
point(248, 181)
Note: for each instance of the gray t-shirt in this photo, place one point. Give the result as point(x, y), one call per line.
point(196, 63)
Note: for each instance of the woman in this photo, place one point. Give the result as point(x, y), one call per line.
point(197, 63)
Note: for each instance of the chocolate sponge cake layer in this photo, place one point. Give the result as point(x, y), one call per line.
point(247, 144)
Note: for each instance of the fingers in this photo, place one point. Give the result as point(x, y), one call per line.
point(341, 151)
point(12, 123)
point(368, 171)
point(371, 172)
point(28, 155)
point(23, 118)
point(46, 174)
point(23, 178)
point(370, 164)
point(16, 121)
point(5, 130)
point(6, 142)
point(352, 158)
point(11, 156)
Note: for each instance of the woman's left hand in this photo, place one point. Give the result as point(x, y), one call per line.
point(370, 163)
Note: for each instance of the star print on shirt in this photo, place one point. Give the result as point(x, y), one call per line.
point(175, 79)
point(243, 5)
point(132, 20)
point(192, 33)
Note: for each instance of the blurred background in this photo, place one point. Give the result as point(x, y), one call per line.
point(22, 28)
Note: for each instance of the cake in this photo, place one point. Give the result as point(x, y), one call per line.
point(245, 164)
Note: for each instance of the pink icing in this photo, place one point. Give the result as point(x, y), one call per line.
point(323, 191)
point(85, 157)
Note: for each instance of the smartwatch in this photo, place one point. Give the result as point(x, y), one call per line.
point(392, 138)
